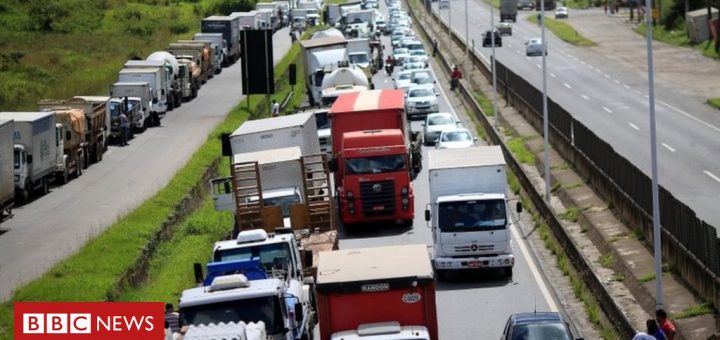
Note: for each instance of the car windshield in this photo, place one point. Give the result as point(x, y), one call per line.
point(472, 215)
point(17, 158)
point(420, 93)
point(321, 120)
point(440, 120)
point(401, 51)
point(404, 76)
point(422, 80)
point(374, 165)
point(266, 309)
point(358, 58)
point(456, 136)
point(540, 331)
point(267, 252)
point(417, 52)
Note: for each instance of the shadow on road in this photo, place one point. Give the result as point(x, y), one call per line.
point(472, 279)
point(371, 230)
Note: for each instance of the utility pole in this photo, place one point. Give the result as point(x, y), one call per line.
point(492, 42)
point(546, 139)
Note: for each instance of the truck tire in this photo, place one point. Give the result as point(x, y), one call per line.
point(25, 194)
point(63, 178)
point(441, 274)
point(45, 186)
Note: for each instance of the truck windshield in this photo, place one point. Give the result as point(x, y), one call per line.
point(268, 254)
point(359, 58)
point(16, 152)
point(321, 120)
point(374, 165)
point(115, 108)
point(265, 309)
point(472, 215)
point(283, 201)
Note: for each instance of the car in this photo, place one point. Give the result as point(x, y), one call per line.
point(380, 26)
point(435, 124)
point(505, 28)
point(561, 13)
point(444, 4)
point(419, 55)
point(412, 64)
point(403, 78)
point(400, 54)
point(457, 138)
point(421, 99)
point(487, 39)
point(539, 325)
point(534, 47)
point(523, 4)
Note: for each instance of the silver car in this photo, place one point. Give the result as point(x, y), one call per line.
point(455, 139)
point(535, 47)
point(435, 124)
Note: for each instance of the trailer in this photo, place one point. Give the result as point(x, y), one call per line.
point(96, 116)
point(230, 30)
point(277, 132)
point(7, 185)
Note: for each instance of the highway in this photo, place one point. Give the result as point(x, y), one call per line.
point(470, 305)
point(54, 226)
point(611, 100)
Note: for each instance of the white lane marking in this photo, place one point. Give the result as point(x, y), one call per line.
point(567, 85)
point(607, 76)
point(534, 270)
point(627, 86)
point(552, 74)
point(598, 70)
point(582, 62)
point(538, 65)
point(711, 175)
point(585, 97)
point(574, 58)
point(518, 52)
point(607, 110)
point(616, 81)
point(634, 126)
point(690, 116)
point(591, 67)
point(668, 147)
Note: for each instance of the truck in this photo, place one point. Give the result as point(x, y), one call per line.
point(344, 79)
point(508, 10)
point(381, 293)
point(374, 157)
point(322, 122)
point(469, 218)
point(333, 14)
point(360, 53)
point(139, 97)
point(156, 79)
point(277, 132)
point(190, 73)
point(320, 57)
point(72, 132)
point(7, 185)
point(177, 75)
point(276, 20)
point(96, 117)
point(165, 87)
point(298, 18)
point(218, 44)
point(230, 30)
point(35, 151)
point(201, 55)
point(213, 54)
point(267, 21)
point(247, 20)
point(312, 12)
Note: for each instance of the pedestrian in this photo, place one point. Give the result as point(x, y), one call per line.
point(455, 77)
point(605, 6)
point(275, 108)
point(124, 128)
point(667, 327)
point(435, 44)
point(172, 318)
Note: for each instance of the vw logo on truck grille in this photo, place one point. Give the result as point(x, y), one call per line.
point(377, 187)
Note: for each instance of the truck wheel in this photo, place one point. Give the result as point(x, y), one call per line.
point(25, 194)
point(63, 178)
point(407, 223)
point(45, 186)
point(441, 274)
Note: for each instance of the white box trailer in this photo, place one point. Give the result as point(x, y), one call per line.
point(155, 78)
point(468, 210)
point(166, 77)
point(36, 145)
point(247, 20)
point(219, 45)
point(277, 132)
point(7, 183)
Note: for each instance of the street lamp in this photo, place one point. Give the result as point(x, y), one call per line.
point(546, 145)
point(492, 42)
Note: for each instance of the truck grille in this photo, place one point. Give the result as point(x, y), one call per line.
point(479, 247)
point(378, 202)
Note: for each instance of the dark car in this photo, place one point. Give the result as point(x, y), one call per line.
point(537, 326)
point(487, 39)
point(523, 4)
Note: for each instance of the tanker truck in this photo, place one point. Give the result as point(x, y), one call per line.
point(213, 58)
point(173, 69)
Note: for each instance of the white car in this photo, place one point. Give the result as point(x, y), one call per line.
point(420, 55)
point(403, 78)
point(421, 99)
point(412, 64)
point(534, 47)
point(435, 124)
point(400, 54)
point(455, 139)
point(561, 13)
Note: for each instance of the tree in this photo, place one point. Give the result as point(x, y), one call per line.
point(44, 14)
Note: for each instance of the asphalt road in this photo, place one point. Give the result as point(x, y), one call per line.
point(470, 305)
point(54, 226)
point(612, 100)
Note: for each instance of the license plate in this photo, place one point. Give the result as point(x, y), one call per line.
point(379, 207)
point(475, 264)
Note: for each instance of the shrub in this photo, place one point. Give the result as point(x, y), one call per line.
point(179, 28)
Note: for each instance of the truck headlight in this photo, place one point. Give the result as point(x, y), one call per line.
point(350, 194)
point(404, 201)
point(404, 190)
point(17, 178)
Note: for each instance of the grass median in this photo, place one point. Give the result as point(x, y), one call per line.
point(93, 272)
point(678, 37)
point(564, 31)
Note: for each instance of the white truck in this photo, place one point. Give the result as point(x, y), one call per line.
point(7, 185)
point(35, 151)
point(320, 57)
point(176, 74)
point(345, 79)
point(137, 92)
point(274, 11)
point(265, 19)
point(166, 78)
point(219, 46)
point(360, 54)
point(247, 20)
point(468, 210)
point(312, 12)
point(299, 18)
point(156, 79)
point(359, 23)
point(275, 133)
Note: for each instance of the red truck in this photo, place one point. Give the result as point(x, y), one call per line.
point(382, 293)
point(375, 157)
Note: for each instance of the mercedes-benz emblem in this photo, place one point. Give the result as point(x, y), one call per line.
point(474, 247)
point(377, 188)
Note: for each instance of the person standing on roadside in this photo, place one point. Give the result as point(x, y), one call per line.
point(275, 108)
point(435, 45)
point(124, 128)
point(172, 318)
point(665, 325)
point(455, 77)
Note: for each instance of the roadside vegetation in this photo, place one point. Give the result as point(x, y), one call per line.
point(678, 37)
point(563, 31)
point(64, 48)
point(714, 102)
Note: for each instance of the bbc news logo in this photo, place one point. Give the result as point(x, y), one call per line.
point(89, 320)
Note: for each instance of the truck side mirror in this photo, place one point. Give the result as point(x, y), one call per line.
point(68, 136)
point(427, 215)
point(518, 207)
point(29, 159)
point(197, 268)
point(299, 311)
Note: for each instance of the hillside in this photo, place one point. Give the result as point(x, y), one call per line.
point(62, 48)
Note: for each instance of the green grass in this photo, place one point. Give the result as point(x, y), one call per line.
point(647, 277)
point(571, 214)
point(607, 261)
point(714, 102)
point(523, 155)
point(678, 37)
point(564, 31)
point(485, 104)
point(692, 311)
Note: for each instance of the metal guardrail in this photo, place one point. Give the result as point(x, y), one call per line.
point(584, 269)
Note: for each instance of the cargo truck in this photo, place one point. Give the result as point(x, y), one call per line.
point(166, 79)
point(35, 151)
point(176, 75)
point(96, 118)
point(213, 58)
point(7, 185)
point(266, 20)
point(374, 157)
point(218, 44)
point(230, 30)
point(468, 210)
point(189, 73)
point(247, 20)
point(320, 57)
point(100, 102)
point(72, 132)
point(359, 53)
point(198, 55)
point(312, 12)
point(380, 293)
point(277, 132)
point(274, 11)
point(157, 104)
point(508, 10)
point(139, 96)
point(299, 18)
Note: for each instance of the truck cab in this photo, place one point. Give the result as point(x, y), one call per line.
point(135, 115)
